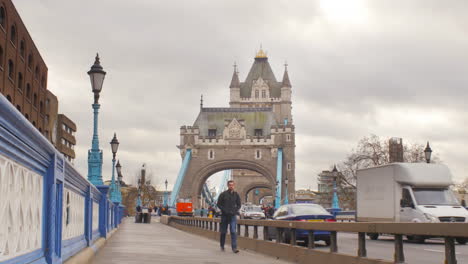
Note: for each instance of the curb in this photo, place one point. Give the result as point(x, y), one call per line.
point(87, 254)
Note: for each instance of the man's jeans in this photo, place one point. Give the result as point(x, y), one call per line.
point(230, 220)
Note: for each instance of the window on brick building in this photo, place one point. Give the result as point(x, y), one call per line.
point(2, 17)
point(41, 107)
point(20, 81)
point(18, 107)
point(22, 48)
point(30, 61)
point(1, 56)
point(11, 69)
point(43, 81)
point(35, 100)
point(13, 34)
point(36, 72)
point(28, 91)
point(263, 93)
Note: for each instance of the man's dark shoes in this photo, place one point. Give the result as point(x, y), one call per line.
point(222, 248)
point(235, 250)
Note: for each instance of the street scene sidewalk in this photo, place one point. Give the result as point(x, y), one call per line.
point(158, 243)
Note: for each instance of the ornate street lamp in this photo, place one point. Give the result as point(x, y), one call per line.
point(428, 153)
point(96, 75)
point(335, 201)
point(114, 188)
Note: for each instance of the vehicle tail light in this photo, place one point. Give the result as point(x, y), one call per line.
point(330, 220)
point(301, 220)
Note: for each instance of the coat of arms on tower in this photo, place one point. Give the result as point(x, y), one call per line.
point(234, 130)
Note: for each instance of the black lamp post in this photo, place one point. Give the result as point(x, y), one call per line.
point(428, 153)
point(114, 189)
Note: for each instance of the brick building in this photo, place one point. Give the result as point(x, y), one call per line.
point(23, 80)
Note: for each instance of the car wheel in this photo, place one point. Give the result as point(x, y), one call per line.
point(373, 236)
point(461, 240)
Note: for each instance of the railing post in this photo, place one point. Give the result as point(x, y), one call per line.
point(211, 226)
point(362, 252)
point(311, 239)
point(450, 257)
point(265, 233)
point(88, 216)
point(279, 235)
point(103, 210)
point(293, 236)
point(399, 255)
point(246, 231)
point(238, 229)
point(333, 242)
point(216, 226)
point(255, 236)
point(52, 235)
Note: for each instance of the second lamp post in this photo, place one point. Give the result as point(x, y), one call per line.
point(114, 188)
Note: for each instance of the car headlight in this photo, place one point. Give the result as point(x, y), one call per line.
point(431, 218)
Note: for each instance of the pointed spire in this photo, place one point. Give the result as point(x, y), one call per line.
point(286, 82)
point(201, 102)
point(335, 169)
point(235, 83)
point(261, 54)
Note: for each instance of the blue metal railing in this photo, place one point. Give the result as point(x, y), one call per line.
point(64, 208)
point(180, 178)
point(279, 177)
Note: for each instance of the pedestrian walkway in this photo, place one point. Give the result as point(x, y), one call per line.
point(158, 243)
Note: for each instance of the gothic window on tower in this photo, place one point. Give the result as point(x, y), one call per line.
point(258, 132)
point(211, 154)
point(288, 137)
point(288, 166)
point(256, 93)
point(258, 154)
point(212, 132)
point(263, 93)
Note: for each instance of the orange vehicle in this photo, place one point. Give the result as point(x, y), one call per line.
point(184, 208)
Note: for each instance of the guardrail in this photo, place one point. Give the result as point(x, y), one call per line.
point(448, 231)
point(49, 212)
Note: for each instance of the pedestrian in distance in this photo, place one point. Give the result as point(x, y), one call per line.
point(202, 211)
point(229, 203)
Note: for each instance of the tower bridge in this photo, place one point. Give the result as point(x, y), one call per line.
point(255, 133)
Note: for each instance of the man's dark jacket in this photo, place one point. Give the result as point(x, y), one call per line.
point(229, 202)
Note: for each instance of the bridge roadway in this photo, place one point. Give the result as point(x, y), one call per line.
point(158, 243)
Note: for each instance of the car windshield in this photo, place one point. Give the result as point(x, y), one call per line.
point(309, 209)
point(434, 196)
point(253, 209)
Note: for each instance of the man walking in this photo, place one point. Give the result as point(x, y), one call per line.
point(229, 203)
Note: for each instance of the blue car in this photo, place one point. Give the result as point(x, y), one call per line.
point(305, 213)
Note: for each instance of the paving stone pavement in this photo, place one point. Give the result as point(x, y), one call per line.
point(159, 243)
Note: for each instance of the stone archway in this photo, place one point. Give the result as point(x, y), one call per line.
point(256, 195)
point(252, 186)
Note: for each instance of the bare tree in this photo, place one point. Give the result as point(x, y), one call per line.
point(373, 151)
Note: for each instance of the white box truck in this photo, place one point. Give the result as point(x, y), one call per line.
point(407, 192)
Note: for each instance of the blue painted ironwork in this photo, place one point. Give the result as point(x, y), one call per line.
point(114, 190)
point(180, 178)
point(223, 184)
point(335, 202)
point(95, 154)
point(279, 177)
point(208, 196)
point(24, 144)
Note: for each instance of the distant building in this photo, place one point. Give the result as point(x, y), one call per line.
point(23, 72)
point(306, 196)
point(346, 195)
point(66, 137)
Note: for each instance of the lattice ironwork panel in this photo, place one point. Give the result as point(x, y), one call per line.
point(95, 216)
point(21, 203)
point(73, 222)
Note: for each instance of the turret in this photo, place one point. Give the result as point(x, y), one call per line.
point(235, 86)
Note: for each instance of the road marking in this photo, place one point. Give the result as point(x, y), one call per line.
point(438, 251)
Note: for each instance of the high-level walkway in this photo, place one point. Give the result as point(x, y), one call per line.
point(158, 243)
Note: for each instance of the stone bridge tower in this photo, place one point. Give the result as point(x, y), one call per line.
point(245, 136)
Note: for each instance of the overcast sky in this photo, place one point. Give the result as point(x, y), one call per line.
point(390, 68)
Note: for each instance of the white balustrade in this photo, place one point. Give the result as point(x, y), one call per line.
point(95, 216)
point(21, 203)
point(73, 217)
